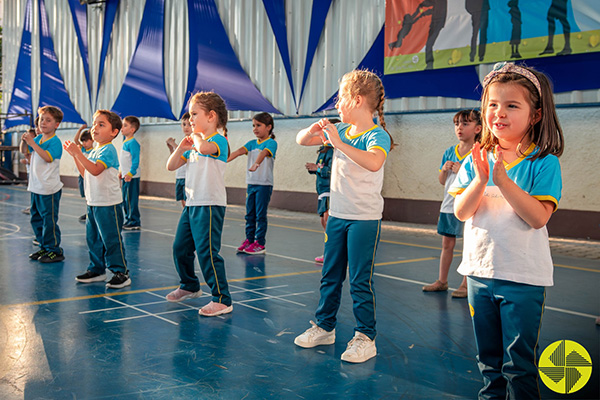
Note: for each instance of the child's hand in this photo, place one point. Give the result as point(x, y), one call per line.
point(187, 143)
point(447, 166)
point(312, 167)
point(455, 167)
point(332, 135)
point(480, 163)
point(28, 138)
point(171, 143)
point(71, 147)
point(120, 176)
point(499, 175)
point(127, 178)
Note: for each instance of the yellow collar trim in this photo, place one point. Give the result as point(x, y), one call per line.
point(527, 152)
point(458, 154)
point(258, 141)
point(358, 134)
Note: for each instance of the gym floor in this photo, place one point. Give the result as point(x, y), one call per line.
point(63, 340)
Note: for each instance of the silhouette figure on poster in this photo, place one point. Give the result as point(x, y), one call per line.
point(438, 10)
point(558, 11)
point(515, 19)
point(479, 10)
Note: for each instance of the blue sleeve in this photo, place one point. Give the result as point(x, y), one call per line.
point(134, 149)
point(186, 155)
point(250, 145)
point(271, 145)
point(547, 181)
point(464, 177)
point(379, 139)
point(107, 155)
point(444, 159)
point(223, 145)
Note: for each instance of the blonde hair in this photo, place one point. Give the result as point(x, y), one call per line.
point(368, 85)
point(547, 133)
point(210, 101)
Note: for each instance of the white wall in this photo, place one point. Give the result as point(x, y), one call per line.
point(411, 168)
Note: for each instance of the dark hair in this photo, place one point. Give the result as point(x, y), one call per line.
point(133, 121)
point(85, 135)
point(267, 119)
point(546, 133)
point(367, 84)
point(56, 113)
point(113, 119)
point(186, 115)
point(471, 115)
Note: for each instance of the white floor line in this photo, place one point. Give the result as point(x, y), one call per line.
point(142, 311)
point(265, 296)
point(280, 297)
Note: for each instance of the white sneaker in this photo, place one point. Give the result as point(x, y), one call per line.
point(315, 336)
point(360, 349)
point(179, 294)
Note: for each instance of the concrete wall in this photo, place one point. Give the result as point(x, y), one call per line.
point(411, 187)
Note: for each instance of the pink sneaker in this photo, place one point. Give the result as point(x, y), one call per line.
point(213, 309)
point(243, 246)
point(319, 259)
point(179, 294)
point(255, 248)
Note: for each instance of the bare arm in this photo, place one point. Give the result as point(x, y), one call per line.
point(203, 146)
point(239, 152)
point(78, 135)
point(175, 159)
point(28, 137)
point(371, 159)
point(261, 156)
point(313, 135)
point(534, 212)
point(94, 168)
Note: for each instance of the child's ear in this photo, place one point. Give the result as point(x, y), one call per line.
point(478, 129)
point(537, 116)
point(115, 132)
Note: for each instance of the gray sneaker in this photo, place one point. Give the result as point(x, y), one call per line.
point(360, 349)
point(179, 294)
point(315, 336)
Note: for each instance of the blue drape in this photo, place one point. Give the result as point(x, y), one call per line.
point(109, 18)
point(20, 99)
point(143, 93)
point(79, 14)
point(215, 66)
point(52, 85)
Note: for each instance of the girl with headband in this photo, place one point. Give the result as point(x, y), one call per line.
point(506, 191)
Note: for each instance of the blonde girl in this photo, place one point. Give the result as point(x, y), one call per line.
point(201, 223)
point(354, 224)
point(506, 192)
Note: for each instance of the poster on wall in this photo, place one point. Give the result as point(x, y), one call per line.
point(435, 34)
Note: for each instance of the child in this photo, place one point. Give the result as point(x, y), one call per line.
point(100, 170)
point(354, 224)
point(45, 185)
point(467, 128)
point(129, 159)
point(322, 169)
point(83, 139)
point(180, 172)
point(201, 222)
point(259, 177)
point(506, 192)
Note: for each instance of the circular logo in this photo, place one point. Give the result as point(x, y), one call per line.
point(565, 366)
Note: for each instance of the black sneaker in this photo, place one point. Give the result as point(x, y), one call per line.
point(118, 281)
point(83, 218)
point(89, 277)
point(37, 255)
point(51, 257)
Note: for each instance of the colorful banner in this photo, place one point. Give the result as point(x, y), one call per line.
point(436, 34)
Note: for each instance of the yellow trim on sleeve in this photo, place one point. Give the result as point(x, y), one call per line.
point(49, 155)
point(103, 163)
point(270, 152)
point(548, 198)
point(455, 192)
point(380, 148)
